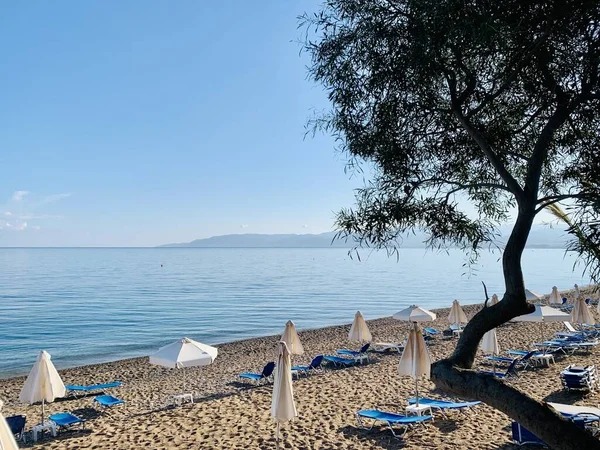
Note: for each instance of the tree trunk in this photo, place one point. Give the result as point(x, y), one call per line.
point(453, 374)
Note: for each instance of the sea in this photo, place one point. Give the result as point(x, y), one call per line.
point(90, 305)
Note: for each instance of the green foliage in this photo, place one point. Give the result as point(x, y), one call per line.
point(495, 103)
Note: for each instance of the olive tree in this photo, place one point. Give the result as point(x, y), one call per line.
point(495, 103)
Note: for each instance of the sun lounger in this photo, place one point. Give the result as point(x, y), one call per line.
point(108, 401)
point(444, 405)
point(518, 362)
point(537, 357)
point(390, 419)
point(589, 414)
point(340, 362)
point(66, 420)
point(431, 331)
point(359, 355)
point(509, 372)
point(17, 426)
point(386, 347)
point(75, 389)
point(314, 365)
point(522, 436)
point(266, 373)
point(579, 378)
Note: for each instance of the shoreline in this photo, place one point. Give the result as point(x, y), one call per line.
point(586, 290)
point(230, 414)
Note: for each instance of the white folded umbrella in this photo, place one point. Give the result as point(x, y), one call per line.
point(555, 298)
point(489, 343)
point(359, 331)
point(415, 361)
point(283, 407)
point(494, 300)
point(7, 438)
point(290, 337)
point(457, 315)
point(183, 353)
point(43, 384)
point(581, 313)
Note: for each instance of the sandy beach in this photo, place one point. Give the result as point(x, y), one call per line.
point(229, 414)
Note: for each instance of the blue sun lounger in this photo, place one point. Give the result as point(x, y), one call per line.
point(340, 362)
point(314, 365)
point(509, 372)
point(359, 355)
point(390, 419)
point(266, 373)
point(108, 401)
point(444, 405)
point(75, 388)
point(65, 420)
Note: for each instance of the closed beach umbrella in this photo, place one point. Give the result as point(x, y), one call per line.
point(457, 315)
point(555, 298)
point(359, 331)
point(581, 313)
point(494, 300)
point(184, 353)
point(283, 408)
point(7, 438)
point(415, 361)
point(532, 296)
point(290, 337)
point(489, 343)
point(415, 314)
point(43, 384)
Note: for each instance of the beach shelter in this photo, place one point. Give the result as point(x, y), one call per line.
point(543, 314)
point(489, 345)
point(7, 438)
point(532, 296)
point(494, 300)
point(290, 337)
point(184, 353)
point(415, 361)
point(283, 408)
point(415, 314)
point(555, 298)
point(581, 313)
point(43, 384)
point(359, 331)
point(457, 315)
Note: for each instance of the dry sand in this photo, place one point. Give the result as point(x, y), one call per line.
point(228, 414)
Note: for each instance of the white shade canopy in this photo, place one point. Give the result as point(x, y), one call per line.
point(543, 314)
point(457, 315)
point(359, 331)
point(184, 353)
point(415, 361)
point(532, 296)
point(7, 438)
point(290, 337)
point(494, 300)
point(283, 407)
point(415, 314)
point(555, 298)
point(43, 382)
point(489, 343)
point(581, 313)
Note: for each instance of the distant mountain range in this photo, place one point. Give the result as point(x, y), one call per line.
point(541, 237)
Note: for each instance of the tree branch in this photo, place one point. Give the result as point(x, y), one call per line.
point(550, 200)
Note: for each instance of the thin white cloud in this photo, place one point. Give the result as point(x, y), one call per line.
point(8, 214)
point(53, 198)
point(304, 226)
point(38, 216)
point(18, 195)
point(244, 226)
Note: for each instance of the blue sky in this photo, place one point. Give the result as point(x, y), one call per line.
point(141, 123)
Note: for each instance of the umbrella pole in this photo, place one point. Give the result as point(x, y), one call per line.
point(414, 355)
point(43, 404)
point(277, 435)
point(183, 370)
point(417, 390)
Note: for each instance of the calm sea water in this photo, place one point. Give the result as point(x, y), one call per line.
point(94, 305)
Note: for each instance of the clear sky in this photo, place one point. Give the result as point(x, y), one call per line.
point(142, 123)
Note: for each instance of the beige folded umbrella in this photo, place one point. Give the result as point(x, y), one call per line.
point(415, 361)
point(581, 313)
point(7, 438)
point(457, 315)
point(290, 337)
point(283, 408)
point(555, 298)
point(489, 345)
point(43, 384)
point(359, 331)
point(494, 300)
